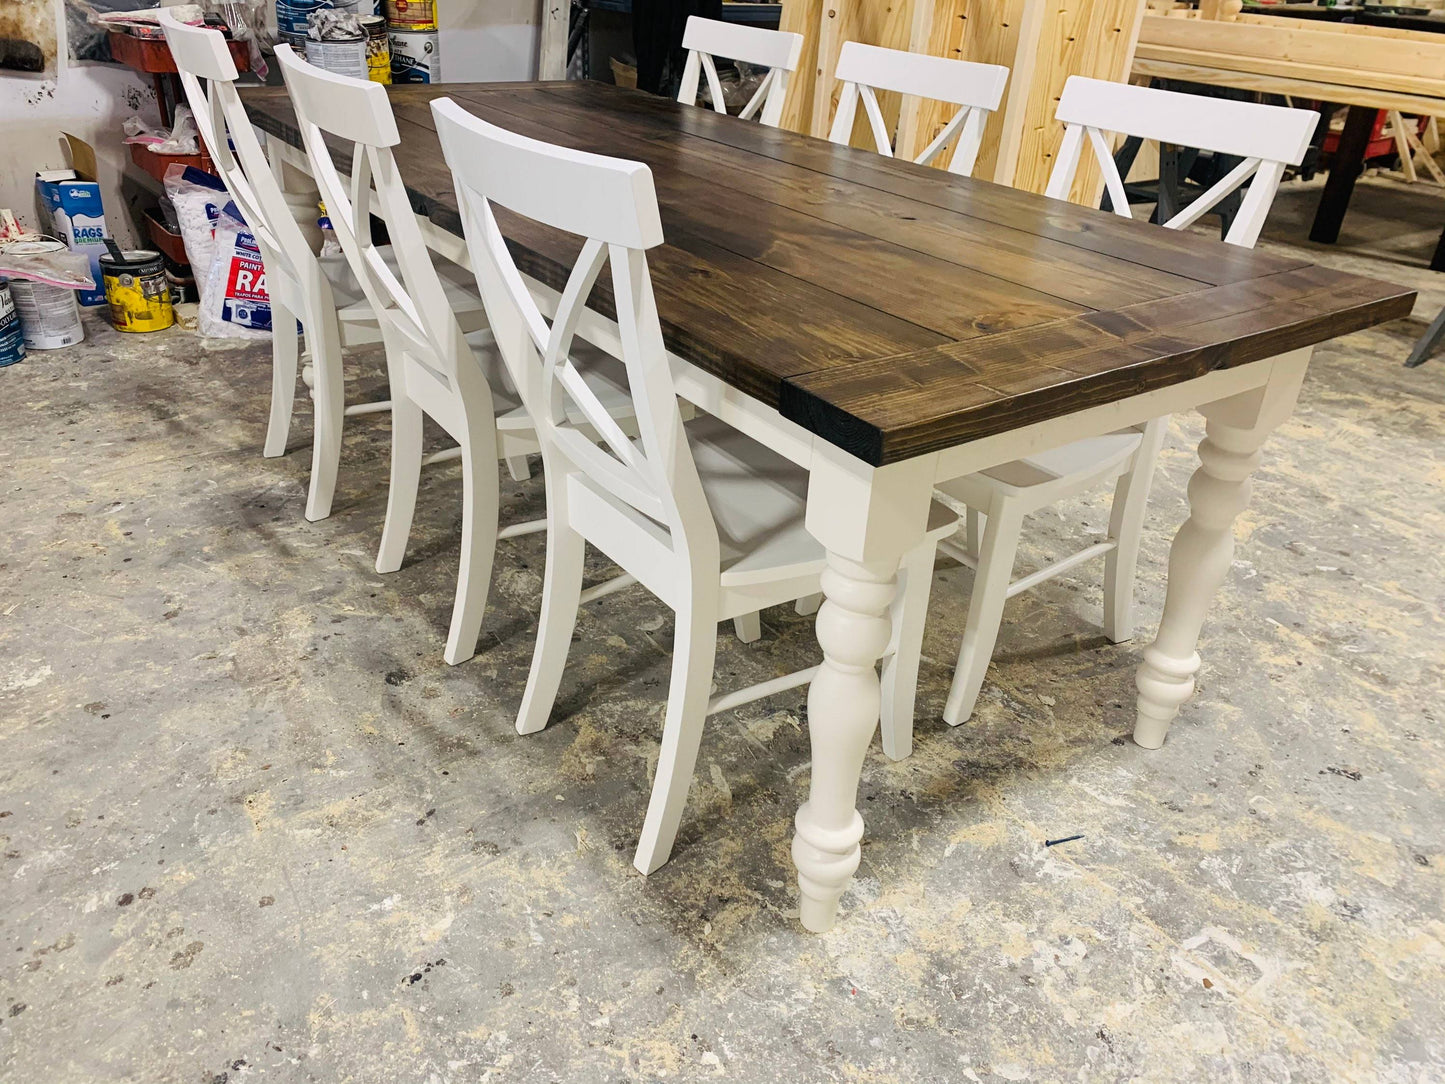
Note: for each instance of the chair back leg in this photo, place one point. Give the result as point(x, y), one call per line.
point(328, 394)
point(406, 444)
point(694, 648)
point(561, 596)
point(480, 497)
point(985, 607)
point(1126, 527)
point(285, 361)
point(900, 667)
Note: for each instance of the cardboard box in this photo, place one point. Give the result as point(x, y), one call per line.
point(69, 204)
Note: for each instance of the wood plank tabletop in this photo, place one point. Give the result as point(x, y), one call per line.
point(891, 308)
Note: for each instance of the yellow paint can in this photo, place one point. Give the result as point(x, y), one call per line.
point(136, 290)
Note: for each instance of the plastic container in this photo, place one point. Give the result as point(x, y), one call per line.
point(137, 291)
point(49, 315)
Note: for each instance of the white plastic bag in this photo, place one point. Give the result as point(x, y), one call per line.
point(235, 297)
point(219, 263)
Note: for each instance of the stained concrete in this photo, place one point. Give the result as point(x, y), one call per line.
point(252, 827)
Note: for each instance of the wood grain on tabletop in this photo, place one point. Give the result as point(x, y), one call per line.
point(891, 308)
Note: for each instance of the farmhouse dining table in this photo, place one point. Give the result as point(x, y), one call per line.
point(888, 326)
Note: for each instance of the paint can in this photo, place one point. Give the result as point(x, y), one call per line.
point(411, 14)
point(136, 290)
point(378, 49)
point(415, 56)
point(49, 315)
point(291, 15)
point(12, 339)
point(340, 55)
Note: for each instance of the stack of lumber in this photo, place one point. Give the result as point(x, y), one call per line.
point(1343, 63)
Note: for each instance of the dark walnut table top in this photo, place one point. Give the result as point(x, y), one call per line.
point(891, 308)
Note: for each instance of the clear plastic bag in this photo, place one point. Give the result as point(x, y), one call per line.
point(63, 268)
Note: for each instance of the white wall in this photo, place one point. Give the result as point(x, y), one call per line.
point(485, 41)
point(87, 100)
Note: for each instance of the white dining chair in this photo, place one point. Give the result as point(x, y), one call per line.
point(435, 369)
point(1267, 138)
point(975, 88)
point(707, 519)
point(321, 294)
point(776, 50)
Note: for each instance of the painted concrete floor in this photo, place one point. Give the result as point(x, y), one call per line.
point(252, 827)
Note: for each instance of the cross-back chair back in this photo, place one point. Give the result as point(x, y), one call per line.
point(975, 88)
point(409, 301)
point(612, 206)
point(1266, 137)
point(776, 50)
point(201, 54)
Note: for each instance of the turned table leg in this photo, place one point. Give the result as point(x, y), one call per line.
point(867, 518)
point(843, 702)
point(1203, 549)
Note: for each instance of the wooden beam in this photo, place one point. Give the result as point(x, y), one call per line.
point(1407, 52)
point(802, 17)
point(1315, 73)
point(552, 46)
point(1340, 93)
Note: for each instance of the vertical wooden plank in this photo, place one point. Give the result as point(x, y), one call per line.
point(802, 17)
point(875, 22)
point(835, 26)
point(910, 110)
point(1078, 37)
point(1024, 35)
point(552, 39)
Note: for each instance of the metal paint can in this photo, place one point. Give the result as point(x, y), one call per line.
point(12, 339)
point(415, 56)
point(137, 291)
point(49, 315)
point(411, 14)
point(345, 56)
point(291, 15)
point(378, 49)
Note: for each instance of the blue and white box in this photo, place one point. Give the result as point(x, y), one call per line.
point(72, 205)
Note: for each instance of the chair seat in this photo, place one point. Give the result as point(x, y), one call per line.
point(758, 500)
point(352, 306)
point(1066, 465)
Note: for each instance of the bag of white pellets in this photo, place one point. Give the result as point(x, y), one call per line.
point(223, 256)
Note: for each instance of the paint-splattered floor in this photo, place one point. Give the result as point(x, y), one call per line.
point(252, 827)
